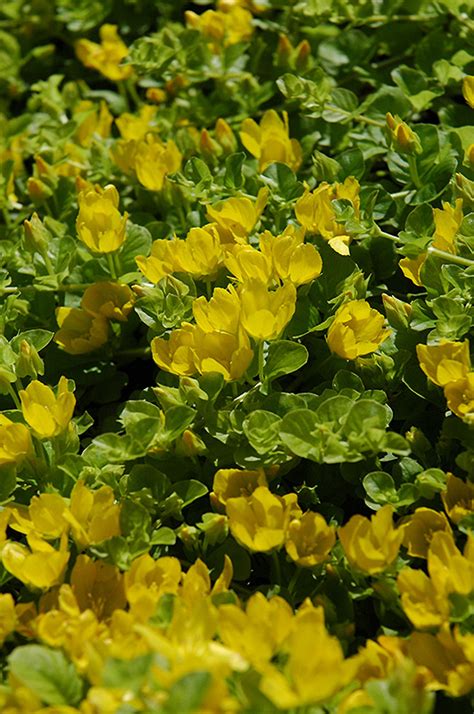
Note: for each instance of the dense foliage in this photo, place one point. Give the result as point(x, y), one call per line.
point(236, 395)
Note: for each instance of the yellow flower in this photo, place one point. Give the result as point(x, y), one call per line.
point(99, 222)
point(107, 56)
point(411, 268)
point(47, 414)
point(39, 566)
point(80, 332)
point(460, 397)
point(219, 314)
point(426, 599)
point(259, 521)
point(124, 154)
point(234, 483)
point(468, 90)
point(8, 618)
point(293, 261)
point(458, 498)
point(271, 141)
point(236, 217)
point(247, 263)
point(446, 659)
point(309, 539)
point(445, 362)
point(154, 160)
point(222, 28)
point(93, 515)
point(92, 121)
point(229, 355)
point(447, 222)
point(109, 300)
point(265, 314)
point(357, 329)
point(404, 139)
point(15, 442)
point(44, 516)
point(314, 669)
point(419, 529)
point(135, 127)
point(258, 633)
point(159, 264)
point(147, 580)
point(200, 254)
point(371, 545)
point(176, 355)
point(315, 212)
point(97, 586)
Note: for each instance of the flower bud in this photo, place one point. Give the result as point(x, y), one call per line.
point(38, 191)
point(190, 444)
point(37, 237)
point(156, 95)
point(225, 137)
point(284, 51)
point(464, 188)
point(29, 363)
point(402, 137)
point(208, 147)
point(398, 312)
point(303, 53)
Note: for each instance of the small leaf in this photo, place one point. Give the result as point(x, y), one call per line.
point(284, 357)
point(47, 673)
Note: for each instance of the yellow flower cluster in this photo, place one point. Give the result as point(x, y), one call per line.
point(315, 212)
point(86, 328)
point(448, 364)
point(258, 308)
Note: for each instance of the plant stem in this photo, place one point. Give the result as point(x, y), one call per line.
point(14, 396)
point(413, 171)
point(110, 261)
point(261, 361)
point(276, 565)
point(450, 257)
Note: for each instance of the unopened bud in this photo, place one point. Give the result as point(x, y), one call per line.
point(470, 154)
point(190, 444)
point(402, 137)
point(38, 191)
point(464, 188)
point(284, 51)
point(29, 363)
point(398, 312)
point(215, 527)
point(37, 237)
point(208, 147)
point(156, 95)
point(303, 53)
point(225, 136)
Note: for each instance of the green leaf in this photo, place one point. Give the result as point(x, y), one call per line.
point(261, 429)
point(132, 671)
point(135, 520)
point(284, 357)
point(283, 181)
point(163, 536)
point(138, 242)
point(367, 413)
point(47, 673)
point(380, 487)
point(189, 491)
point(296, 433)
point(185, 695)
point(233, 177)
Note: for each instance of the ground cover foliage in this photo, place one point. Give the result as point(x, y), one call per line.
point(237, 402)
